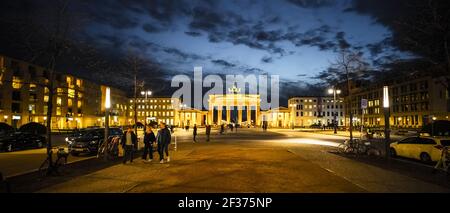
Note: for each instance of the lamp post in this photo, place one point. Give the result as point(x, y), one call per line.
point(107, 107)
point(386, 120)
point(432, 125)
point(182, 107)
point(335, 92)
point(293, 106)
point(146, 94)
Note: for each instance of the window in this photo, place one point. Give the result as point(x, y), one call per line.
point(46, 98)
point(16, 95)
point(58, 101)
point(69, 102)
point(79, 82)
point(71, 93)
point(445, 142)
point(408, 141)
point(15, 108)
point(58, 111)
point(16, 82)
point(427, 141)
point(32, 108)
point(60, 91)
point(79, 104)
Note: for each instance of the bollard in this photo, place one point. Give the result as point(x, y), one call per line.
point(175, 143)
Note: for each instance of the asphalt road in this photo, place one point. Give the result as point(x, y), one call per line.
point(247, 161)
point(19, 162)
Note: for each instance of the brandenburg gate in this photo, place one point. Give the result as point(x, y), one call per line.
point(233, 104)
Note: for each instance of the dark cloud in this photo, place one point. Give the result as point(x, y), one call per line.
point(317, 37)
point(379, 47)
point(342, 42)
point(193, 34)
point(150, 28)
point(267, 59)
point(312, 3)
point(254, 70)
point(223, 63)
point(182, 54)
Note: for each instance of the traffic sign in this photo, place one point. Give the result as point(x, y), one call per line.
point(363, 103)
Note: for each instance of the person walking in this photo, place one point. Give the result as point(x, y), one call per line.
point(221, 129)
point(194, 132)
point(443, 161)
point(208, 132)
point(129, 141)
point(163, 138)
point(149, 139)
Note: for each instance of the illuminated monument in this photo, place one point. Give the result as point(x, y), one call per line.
point(234, 103)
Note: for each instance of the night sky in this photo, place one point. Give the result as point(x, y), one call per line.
point(295, 39)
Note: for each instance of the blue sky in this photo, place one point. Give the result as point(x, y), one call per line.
point(222, 36)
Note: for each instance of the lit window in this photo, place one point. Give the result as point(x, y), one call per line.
point(79, 104)
point(46, 98)
point(69, 102)
point(16, 82)
point(71, 93)
point(58, 111)
point(58, 101)
point(79, 82)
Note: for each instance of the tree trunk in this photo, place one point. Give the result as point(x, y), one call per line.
point(49, 115)
point(350, 106)
point(135, 104)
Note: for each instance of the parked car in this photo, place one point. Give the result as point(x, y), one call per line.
point(21, 140)
point(88, 140)
point(420, 148)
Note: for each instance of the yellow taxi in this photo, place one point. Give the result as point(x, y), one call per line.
point(421, 148)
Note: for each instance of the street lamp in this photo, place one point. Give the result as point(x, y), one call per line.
point(386, 119)
point(335, 92)
point(107, 107)
point(146, 94)
point(293, 106)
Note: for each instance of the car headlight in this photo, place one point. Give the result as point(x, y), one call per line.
point(67, 139)
point(93, 142)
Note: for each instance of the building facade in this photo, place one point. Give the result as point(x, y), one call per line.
point(413, 102)
point(309, 111)
point(77, 103)
point(155, 109)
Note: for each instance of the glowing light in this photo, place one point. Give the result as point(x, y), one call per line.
point(108, 98)
point(386, 97)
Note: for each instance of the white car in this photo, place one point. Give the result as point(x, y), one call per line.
point(421, 148)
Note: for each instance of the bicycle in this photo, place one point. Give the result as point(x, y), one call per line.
point(109, 149)
point(353, 147)
point(49, 167)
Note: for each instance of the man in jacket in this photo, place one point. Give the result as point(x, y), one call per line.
point(129, 141)
point(149, 139)
point(163, 138)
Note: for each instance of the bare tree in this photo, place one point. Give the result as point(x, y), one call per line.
point(45, 35)
point(134, 65)
point(426, 32)
point(349, 65)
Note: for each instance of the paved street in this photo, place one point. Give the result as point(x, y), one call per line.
point(247, 161)
point(19, 162)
